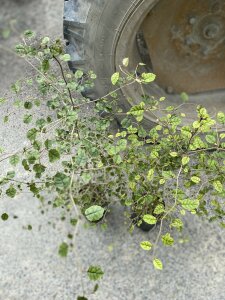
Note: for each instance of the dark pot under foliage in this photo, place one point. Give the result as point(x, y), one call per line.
point(143, 226)
point(147, 227)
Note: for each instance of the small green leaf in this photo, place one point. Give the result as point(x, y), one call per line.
point(218, 186)
point(63, 249)
point(15, 87)
point(150, 174)
point(95, 272)
point(6, 119)
point(177, 223)
point(162, 181)
point(86, 177)
point(34, 189)
point(18, 103)
point(211, 139)
point(31, 134)
point(78, 74)
point(196, 124)
point(65, 57)
point(167, 239)
point(122, 144)
point(126, 62)
point(222, 224)
point(197, 143)
point(45, 65)
point(149, 219)
point(11, 191)
point(137, 111)
point(25, 165)
point(117, 159)
point(21, 50)
point(146, 245)
point(189, 204)
point(195, 179)
point(58, 202)
point(159, 209)
point(221, 117)
point(32, 158)
point(182, 212)
point(73, 222)
point(94, 213)
point(158, 265)
point(39, 169)
point(40, 123)
point(82, 298)
point(154, 154)
point(148, 77)
point(45, 40)
point(11, 174)
point(29, 34)
point(185, 160)
point(28, 105)
point(48, 144)
point(95, 288)
point(173, 154)
point(184, 97)
point(115, 77)
point(27, 119)
point(53, 155)
point(61, 181)
point(81, 158)
point(4, 216)
point(37, 102)
point(14, 160)
point(37, 145)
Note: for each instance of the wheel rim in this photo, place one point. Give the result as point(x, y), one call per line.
point(194, 60)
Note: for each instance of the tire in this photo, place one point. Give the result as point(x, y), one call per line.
point(91, 30)
point(100, 33)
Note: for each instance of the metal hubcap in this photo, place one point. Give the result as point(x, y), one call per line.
point(186, 43)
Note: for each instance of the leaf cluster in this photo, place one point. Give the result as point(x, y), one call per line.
point(158, 174)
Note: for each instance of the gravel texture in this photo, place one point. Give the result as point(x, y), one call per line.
point(30, 266)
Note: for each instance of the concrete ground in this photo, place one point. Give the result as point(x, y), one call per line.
point(30, 268)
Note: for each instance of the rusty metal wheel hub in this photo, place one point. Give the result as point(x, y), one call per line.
point(186, 43)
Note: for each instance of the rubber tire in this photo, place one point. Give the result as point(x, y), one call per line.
point(90, 29)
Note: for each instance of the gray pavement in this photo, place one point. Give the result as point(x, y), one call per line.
point(30, 268)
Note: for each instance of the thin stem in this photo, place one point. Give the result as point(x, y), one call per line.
point(24, 182)
point(206, 149)
point(64, 78)
point(48, 79)
point(77, 216)
point(171, 209)
point(16, 152)
point(114, 91)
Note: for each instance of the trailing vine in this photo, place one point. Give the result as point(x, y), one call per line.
point(76, 160)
